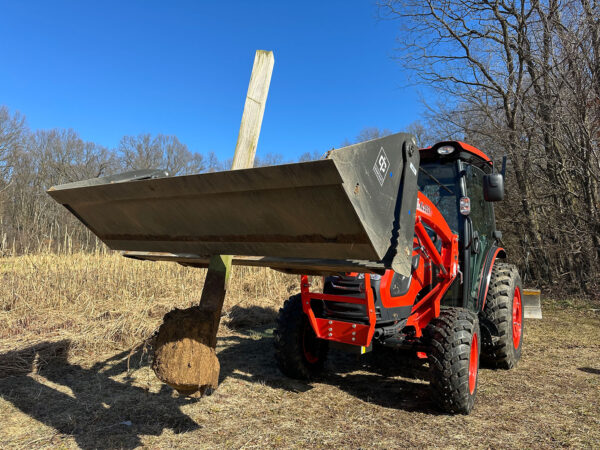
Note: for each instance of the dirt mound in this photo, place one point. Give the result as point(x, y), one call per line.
point(184, 355)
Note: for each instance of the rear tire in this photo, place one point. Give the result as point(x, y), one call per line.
point(504, 310)
point(298, 351)
point(455, 343)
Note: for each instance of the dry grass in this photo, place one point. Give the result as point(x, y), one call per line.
point(67, 325)
point(107, 302)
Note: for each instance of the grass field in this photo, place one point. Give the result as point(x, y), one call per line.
point(74, 371)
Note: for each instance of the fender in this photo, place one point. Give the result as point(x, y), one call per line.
point(493, 253)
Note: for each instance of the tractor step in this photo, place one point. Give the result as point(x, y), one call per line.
point(336, 330)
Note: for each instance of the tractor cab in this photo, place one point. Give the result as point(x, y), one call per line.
point(459, 180)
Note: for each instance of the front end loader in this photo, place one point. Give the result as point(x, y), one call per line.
point(405, 240)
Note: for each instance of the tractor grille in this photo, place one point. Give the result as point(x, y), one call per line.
point(349, 286)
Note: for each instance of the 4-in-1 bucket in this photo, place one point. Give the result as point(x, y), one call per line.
point(355, 208)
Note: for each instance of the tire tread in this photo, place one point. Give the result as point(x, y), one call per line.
point(449, 337)
point(500, 353)
point(288, 342)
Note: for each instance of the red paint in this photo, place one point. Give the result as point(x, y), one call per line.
point(473, 150)
point(517, 315)
point(336, 330)
point(422, 276)
point(447, 260)
point(473, 363)
point(422, 312)
point(310, 357)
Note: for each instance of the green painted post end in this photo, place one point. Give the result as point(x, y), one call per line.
point(221, 264)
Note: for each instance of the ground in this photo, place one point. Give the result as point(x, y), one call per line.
point(74, 372)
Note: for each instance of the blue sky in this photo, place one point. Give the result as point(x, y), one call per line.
point(108, 69)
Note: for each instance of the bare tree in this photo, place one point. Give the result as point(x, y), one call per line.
point(140, 152)
point(31, 162)
point(159, 152)
point(47, 158)
point(214, 164)
point(521, 77)
point(12, 134)
point(367, 134)
point(311, 156)
point(270, 159)
point(421, 133)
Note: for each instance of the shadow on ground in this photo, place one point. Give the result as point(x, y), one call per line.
point(100, 412)
point(96, 410)
point(249, 356)
point(590, 370)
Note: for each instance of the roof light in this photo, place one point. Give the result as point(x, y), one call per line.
point(465, 205)
point(445, 150)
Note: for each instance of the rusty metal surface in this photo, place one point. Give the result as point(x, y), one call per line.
point(339, 208)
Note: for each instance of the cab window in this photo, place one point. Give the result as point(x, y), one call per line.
point(482, 213)
point(482, 220)
point(438, 181)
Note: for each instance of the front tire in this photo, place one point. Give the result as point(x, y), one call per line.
point(504, 310)
point(455, 344)
point(298, 351)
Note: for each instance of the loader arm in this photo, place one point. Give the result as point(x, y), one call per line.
point(426, 304)
point(428, 307)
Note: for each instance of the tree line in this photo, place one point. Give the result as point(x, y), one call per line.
point(31, 161)
point(522, 78)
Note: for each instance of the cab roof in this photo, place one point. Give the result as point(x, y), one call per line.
point(460, 146)
point(462, 150)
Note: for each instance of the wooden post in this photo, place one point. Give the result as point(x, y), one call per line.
point(219, 268)
point(254, 109)
point(185, 356)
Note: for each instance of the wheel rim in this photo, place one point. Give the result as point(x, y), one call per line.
point(308, 342)
point(473, 363)
point(517, 314)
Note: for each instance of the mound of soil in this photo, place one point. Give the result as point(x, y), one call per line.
point(184, 351)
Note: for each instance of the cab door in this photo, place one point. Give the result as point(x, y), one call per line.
point(482, 226)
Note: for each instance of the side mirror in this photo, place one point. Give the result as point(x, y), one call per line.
point(493, 187)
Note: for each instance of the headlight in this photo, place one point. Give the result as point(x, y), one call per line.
point(445, 150)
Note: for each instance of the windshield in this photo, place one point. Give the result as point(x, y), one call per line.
point(439, 182)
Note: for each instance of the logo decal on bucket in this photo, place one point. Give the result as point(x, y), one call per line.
point(382, 165)
point(413, 168)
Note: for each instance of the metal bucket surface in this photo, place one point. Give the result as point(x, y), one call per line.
point(357, 204)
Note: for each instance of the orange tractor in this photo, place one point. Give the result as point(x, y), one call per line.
point(405, 239)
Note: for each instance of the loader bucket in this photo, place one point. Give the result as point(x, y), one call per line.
point(532, 306)
point(356, 206)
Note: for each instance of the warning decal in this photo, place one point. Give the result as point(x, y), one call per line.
point(381, 167)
